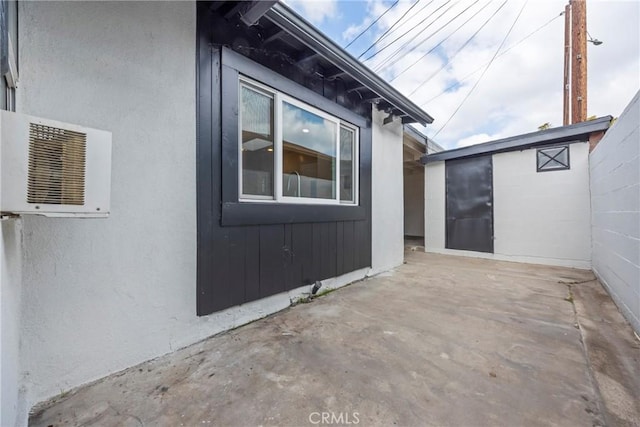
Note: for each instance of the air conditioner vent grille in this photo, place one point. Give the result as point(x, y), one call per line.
point(57, 159)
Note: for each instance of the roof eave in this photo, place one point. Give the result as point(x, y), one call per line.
point(521, 142)
point(297, 27)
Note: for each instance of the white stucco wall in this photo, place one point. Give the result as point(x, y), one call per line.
point(434, 207)
point(387, 240)
point(539, 217)
point(100, 295)
point(615, 203)
point(542, 217)
point(414, 202)
point(10, 288)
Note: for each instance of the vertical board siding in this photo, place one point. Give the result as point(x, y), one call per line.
point(340, 268)
point(252, 263)
point(243, 263)
point(348, 240)
point(237, 272)
point(272, 260)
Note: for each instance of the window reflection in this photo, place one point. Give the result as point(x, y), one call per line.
point(347, 172)
point(308, 154)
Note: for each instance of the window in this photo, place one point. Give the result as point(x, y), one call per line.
point(553, 158)
point(291, 152)
point(257, 136)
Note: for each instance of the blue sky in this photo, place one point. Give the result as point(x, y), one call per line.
point(520, 90)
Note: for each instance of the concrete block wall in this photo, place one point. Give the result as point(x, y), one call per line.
point(615, 211)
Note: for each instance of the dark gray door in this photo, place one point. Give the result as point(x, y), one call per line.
point(469, 190)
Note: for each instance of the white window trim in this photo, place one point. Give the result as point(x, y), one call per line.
point(278, 197)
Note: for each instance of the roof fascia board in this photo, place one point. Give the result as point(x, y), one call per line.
point(424, 140)
point(434, 146)
point(572, 133)
point(415, 134)
point(304, 32)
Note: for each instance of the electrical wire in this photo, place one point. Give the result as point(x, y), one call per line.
point(372, 45)
point(372, 24)
point(441, 41)
point(459, 49)
point(459, 82)
point(394, 56)
point(484, 71)
point(382, 49)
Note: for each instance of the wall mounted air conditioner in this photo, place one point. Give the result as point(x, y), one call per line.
point(52, 168)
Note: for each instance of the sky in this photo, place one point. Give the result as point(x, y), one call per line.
point(434, 58)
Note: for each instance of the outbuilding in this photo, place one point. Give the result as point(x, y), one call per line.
point(525, 198)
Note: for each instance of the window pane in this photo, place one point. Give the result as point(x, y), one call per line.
point(347, 173)
point(308, 154)
point(555, 158)
point(257, 143)
point(563, 157)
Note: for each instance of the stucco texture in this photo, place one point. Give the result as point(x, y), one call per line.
point(10, 290)
point(101, 295)
point(387, 202)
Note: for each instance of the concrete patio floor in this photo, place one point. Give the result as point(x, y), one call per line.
point(440, 341)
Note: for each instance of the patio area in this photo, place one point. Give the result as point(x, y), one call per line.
point(441, 340)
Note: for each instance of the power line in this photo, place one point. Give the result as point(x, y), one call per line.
point(417, 13)
point(442, 41)
point(394, 56)
point(413, 28)
point(484, 71)
point(372, 24)
point(459, 49)
point(391, 28)
point(459, 82)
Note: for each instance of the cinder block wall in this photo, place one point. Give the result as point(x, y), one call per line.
point(615, 211)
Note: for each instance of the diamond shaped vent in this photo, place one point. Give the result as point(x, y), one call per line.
point(57, 160)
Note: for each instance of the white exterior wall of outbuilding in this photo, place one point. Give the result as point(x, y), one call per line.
point(538, 217)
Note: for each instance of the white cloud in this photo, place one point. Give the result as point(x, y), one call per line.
point(523, 88)
point(316, 11)
point(473, 140)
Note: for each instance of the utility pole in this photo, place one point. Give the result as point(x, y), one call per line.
point(566, 89)
point(575, 62)
point(578, 61)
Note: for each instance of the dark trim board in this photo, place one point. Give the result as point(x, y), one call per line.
point(247, 252)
